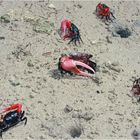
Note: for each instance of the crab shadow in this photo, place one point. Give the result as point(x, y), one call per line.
point(56, 74)
point(119, 30)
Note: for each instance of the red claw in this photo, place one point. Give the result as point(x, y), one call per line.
point(65, 29)
point(17, 107)
point(69, 64)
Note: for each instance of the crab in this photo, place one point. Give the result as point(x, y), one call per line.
point(70, 31)
point(104, 11)
point(136, 87)
point(11, 117)
point(77, 63)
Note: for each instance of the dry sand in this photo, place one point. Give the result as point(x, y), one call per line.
point(59, 108)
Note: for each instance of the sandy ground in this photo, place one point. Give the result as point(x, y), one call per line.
point(59, 108)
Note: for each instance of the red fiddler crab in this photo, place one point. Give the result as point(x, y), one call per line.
point(77, 63)
point(11, 116)
point(104, 11)
point(136, 87)
point(68, 30)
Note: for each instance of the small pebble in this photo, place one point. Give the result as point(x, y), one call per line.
point(42, 137)
point(79, 6)
point(93, 42)
point(30, 136)
point(14, 81)
point(116, 63)
point(68, 109)
point(51, 6)
point(31, 96)
point(87, 116)
point(30, 64)
point(2, 37)
point(108, 39)
point(98, 91)
point(39, 102)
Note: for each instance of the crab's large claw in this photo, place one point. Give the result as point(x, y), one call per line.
point(71, 65)
point(79, 72)
point(17, 107)
point(65, 29)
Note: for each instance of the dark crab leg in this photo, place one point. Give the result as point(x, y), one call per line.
point(102, 17)
point(71, 40)
point(24, 119)
point(96, 9)
point(81, 39)
point(107, 18)
point(75, 42)
point(22, 114)
point(1, 134)
point(112, 15)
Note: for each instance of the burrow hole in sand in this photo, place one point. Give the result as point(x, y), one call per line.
point(136, 135)
point(123, 32)
point(75, 132)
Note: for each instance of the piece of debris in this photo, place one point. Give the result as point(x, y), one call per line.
point(52, 6)
point(112, 67)
point(79, 6)
point(87, 116)
point(108, 38)
point(13, 81)
point(46, 54)
point(30, 64)
point(68, 109)
point(43, 26)
point(5, 18)
point(93, 42)
point(2, 37)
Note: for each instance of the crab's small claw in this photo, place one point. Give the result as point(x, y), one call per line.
point(65, 29)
